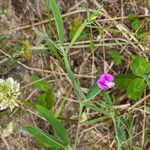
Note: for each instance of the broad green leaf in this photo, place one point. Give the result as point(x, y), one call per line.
point(116, 57)
point(143, 32)
point(93, 91)
point(42, 85)
point(59, 129)
point(120, 132)
point(44, 137)
point(140, 66)
point(58, 19)
point(122, 81)
point(107, 98)
point(136, 88)
point(46, 99)
point(136, 24)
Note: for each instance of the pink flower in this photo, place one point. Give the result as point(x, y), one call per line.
point(105, 81)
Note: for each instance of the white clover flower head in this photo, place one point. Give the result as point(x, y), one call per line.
point(9, 92)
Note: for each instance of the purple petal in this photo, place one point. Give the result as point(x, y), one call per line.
point(105, 81)
point(102, 85)
point(106, 77)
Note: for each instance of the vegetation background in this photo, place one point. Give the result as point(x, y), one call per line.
point(99, 49)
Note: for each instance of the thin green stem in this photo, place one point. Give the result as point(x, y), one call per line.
point(78, 128)
point(115, 126)
point(80, 94)
point(76, 86)
point(108, 44)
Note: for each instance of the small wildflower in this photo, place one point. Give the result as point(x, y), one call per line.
point(105, 81)
point(9, 92)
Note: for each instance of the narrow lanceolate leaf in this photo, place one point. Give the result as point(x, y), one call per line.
point(46, 99)
point(58, 19)
point(59, 129)
point(45, 37)
point(93, 91)
point(77, 34)
point(44, 137)
point(120, 132)
point(107, 99)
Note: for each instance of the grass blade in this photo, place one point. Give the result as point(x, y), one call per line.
point(77, 34)
point(58, 20)
point(44, 137)
point(59, 129)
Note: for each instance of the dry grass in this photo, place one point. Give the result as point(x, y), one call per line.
point(17, 23)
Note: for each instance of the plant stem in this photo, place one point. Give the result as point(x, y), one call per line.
point(115, 126)
point(80, 94)
point(76, 86)
point(78, 128)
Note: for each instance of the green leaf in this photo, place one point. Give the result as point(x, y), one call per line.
point(42, 85)
point(59, 129)
point(137, 148)
point(127, 123)
point(45, 38)
point(136, 24)
point(124, 121)
point(53, 47)
point(46, 100)
point(39, 52)
point(116, 57)
point(107, 98)
point(140, 66)
point(143, 32)
point(44, 137)
point(122, 81)
point(132, 16)
point(93, 91)
point(147, 19)
point(58, 19)
point(120, 132)
point(77, 34)
point(74, 26)
point(93, 16)
point(2, 37)
point(136, 88)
